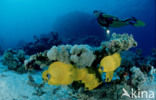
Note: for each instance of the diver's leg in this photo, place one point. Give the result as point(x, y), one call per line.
point(131, 21)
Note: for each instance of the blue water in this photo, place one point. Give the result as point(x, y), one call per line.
point(21, 19)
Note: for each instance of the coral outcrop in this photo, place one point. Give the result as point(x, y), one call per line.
point(84, 55)
point(14, 59)
point(137, 77)
point(37, 61)
point(119, 42)
point(78, 55)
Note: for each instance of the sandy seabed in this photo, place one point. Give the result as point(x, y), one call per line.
point(14, 86)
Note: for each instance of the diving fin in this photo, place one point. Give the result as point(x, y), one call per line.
point(135, 22)
point(139, 23)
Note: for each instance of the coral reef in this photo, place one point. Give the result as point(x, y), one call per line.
point(84, 56)
point(137, 77)
point(88, 61)
point(42, 43)
point(77, 55)
point(114, 90)
point(37, 61)
point(14, 59)
point(87, 56)
point(137, 59)
point(119, 42)
point(82, 77)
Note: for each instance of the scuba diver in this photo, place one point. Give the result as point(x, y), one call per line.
point(109, 21)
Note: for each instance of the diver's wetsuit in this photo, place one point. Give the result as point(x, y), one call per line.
point(107, 21)
point(104, 21)
point(131, 21)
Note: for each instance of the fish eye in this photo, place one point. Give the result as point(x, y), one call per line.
point(48, 76)
point(102, 68)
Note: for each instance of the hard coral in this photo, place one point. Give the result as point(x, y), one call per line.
point(119, 42)
point(138, 78)
point(37, 61)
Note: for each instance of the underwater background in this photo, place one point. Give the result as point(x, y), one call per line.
point(58, 50)
point(20, 20)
